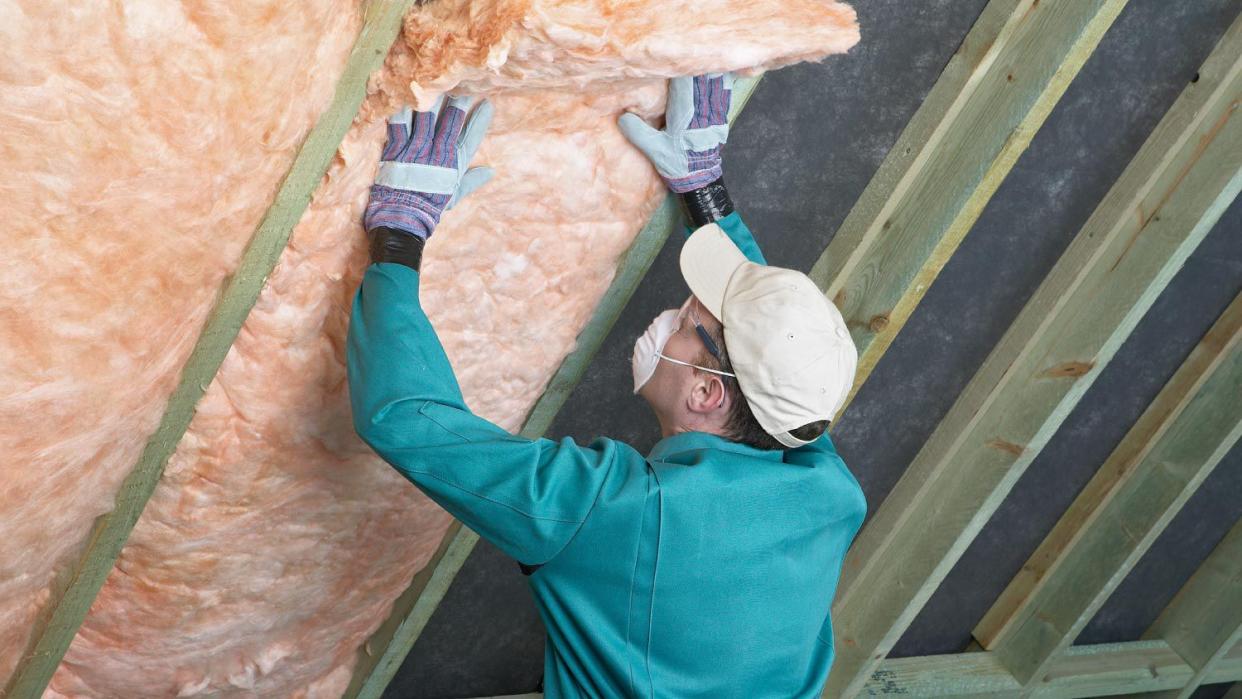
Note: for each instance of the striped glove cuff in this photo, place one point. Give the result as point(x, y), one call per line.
point(416, 213)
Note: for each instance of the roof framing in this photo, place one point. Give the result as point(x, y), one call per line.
point(1197, 640)
point(980, 116)
point(1162, 206)
point(77, 588)
point(1203, 623)
point(1083, 671)
point(1105, 669)
point(1170, 451)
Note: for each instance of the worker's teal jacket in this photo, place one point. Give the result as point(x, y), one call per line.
point(704, 569)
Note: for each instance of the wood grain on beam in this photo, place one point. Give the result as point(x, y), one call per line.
point(1181, 437)
point(382, 655)
point(1169, 197)
point(980, 116)
point(1203, 623)
point(977, 674)
point(1221, 69)
point(1083, 671)
point(63, 615)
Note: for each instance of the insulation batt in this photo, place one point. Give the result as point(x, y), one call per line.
point(141, 144)
point(276, 541)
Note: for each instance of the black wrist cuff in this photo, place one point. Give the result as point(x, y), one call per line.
point(392, 245)
point(707, 204)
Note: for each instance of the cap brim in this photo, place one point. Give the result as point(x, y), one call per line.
point(708, 260)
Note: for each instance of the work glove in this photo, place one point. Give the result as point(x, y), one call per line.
point(422, 170)
point(687, 152)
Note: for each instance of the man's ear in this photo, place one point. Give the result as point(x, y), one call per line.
point(708, 394)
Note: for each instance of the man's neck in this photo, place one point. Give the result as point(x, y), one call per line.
point(679, 428)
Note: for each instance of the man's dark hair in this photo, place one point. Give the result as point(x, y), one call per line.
point(741, 424)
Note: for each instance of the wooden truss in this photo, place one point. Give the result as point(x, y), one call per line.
point(1173, 192)
point(980, 116)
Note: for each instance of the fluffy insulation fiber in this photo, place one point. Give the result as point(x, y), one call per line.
point(142, 143)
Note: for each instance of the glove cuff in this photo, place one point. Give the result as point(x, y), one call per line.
point(704, 167)
point(414, 212)
point(393, 245)
point(707, 204)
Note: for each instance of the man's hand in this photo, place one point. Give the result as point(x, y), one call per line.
point(423, 168)
point(687, 152)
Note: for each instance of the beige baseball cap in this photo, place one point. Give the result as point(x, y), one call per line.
point(788, 344)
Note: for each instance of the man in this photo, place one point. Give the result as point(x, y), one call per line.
point(705, 568)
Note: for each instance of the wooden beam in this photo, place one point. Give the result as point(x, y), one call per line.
point(382, 655)
point(1009, 606)
point(1083, 671)
point(1109, 669)
point(975, 674)
point(63, 615)
point(1204, 621)
point(1162, 206)
point(980, 116)
point(1186, 431)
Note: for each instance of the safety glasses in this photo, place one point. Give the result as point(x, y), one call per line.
point(687, 312)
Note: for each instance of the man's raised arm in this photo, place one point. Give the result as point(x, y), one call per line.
point(529, 497)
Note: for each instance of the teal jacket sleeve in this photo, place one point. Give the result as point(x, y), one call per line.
point(736, 229)
point(529, 497)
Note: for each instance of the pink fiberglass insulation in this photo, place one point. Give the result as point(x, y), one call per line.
point(276, 542)
point(141, 144)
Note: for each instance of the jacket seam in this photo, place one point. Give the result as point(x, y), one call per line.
point(655, 573)
point(493, 500)
point(629, 609)
point(426, 403)
point(441, 425)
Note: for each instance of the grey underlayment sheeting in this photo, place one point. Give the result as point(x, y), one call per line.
point(803, 151)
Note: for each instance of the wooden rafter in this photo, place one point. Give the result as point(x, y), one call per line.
point(1166, 201)
point(979, 117)
point(1083, 671)
point(1186, 431)
point(1021, 591)
point(1203, 623)
point(1107, 669)
point(382, 655)
point(63, 615)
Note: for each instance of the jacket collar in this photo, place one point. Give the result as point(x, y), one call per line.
point(681, 444)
